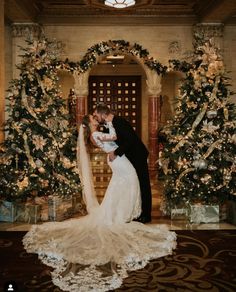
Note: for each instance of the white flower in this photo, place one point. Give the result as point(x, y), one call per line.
point(39, 142)
point(209, 127)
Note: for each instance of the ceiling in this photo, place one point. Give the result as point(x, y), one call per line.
point(145, 12)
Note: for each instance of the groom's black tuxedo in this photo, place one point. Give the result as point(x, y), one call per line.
point(131, 145)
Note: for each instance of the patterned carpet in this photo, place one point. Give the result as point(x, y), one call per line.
point(205, 260)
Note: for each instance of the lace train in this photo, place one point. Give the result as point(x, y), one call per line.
point(91, 257)
point(95, 252)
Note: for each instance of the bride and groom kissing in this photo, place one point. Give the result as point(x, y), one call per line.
point(130, 145)
point(95, 252)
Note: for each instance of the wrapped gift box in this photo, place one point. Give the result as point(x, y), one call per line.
point(223, 212)
point(231, 216)
point(7, 211)
point(59, 208)
point(30, 213)
point(43, 202)
point(179, 214)
point(204, 213)
point(44, 216)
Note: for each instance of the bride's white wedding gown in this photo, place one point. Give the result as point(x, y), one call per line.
point(95, 252)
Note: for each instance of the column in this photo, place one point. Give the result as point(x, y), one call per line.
point(81, 91)
point(80, 109)
point(154, 89)
point(2, 70)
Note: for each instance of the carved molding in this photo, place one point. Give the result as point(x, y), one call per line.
point(174, 48)
point(81, 83)
point(153, 83)
point(26, 30)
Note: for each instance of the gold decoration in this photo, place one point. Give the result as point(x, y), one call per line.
point(24, 183)
point(37, 120)
point(209, 127)
point(39, 142)
point(183, 174)
point(61, 177)
point(194, 125)
point(27, 151)
point(211, 148)
point(226, 113)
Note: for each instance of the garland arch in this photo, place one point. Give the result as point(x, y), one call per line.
point(108, 47)
point(114, 46)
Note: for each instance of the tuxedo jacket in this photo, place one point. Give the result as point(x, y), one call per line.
point(128, 141)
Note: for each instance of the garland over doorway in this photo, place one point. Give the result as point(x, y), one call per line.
point(112, 46)
point(153, 69)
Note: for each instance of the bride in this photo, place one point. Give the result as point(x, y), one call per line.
point(95, 252)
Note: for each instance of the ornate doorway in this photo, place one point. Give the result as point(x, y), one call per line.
point(153, 72)
point(121, 93)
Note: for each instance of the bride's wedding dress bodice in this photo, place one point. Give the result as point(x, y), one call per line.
point(105, 140)
point(94, 253)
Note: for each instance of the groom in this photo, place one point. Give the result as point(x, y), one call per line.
point(134, 149)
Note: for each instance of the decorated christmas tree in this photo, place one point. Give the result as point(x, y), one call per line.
point(199, 156)
point(38, 156)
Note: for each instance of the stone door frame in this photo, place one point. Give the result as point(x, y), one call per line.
point(153, 71)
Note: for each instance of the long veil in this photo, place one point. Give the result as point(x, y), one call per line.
point(95, 252)
point(86, 175)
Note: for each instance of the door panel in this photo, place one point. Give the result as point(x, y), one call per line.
point(121, 93)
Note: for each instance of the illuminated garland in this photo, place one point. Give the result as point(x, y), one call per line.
point(109, 47)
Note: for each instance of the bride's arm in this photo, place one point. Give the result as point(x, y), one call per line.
point(111, 136)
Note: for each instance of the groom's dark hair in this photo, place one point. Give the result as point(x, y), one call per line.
point(102, 108)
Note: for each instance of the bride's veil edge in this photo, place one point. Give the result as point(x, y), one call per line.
point(86, 176)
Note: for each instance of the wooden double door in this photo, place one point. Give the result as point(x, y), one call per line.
point(121, 93)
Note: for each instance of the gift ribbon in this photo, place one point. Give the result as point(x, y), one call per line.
point(25, 213)
point(182, 174)
point(211, 148)
point(194, 125)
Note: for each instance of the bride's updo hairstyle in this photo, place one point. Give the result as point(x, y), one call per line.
point(87, 131)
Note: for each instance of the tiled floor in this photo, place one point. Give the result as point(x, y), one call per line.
point(157, 216)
